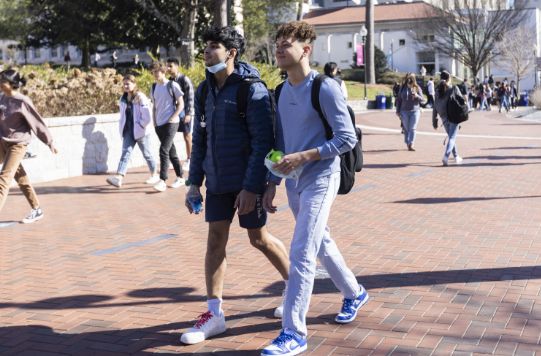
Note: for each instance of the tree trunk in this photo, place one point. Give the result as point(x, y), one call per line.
point(370, 51)
point(187, 46)
point(220, 13)
point(299, 10)
point(85, 51)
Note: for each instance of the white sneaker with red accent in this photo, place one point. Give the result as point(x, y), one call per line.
point(207, 326)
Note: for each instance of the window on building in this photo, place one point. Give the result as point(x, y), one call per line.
point(350, 44)
point(428, 38)
point(402, 42)
point(36, 52)
point(55, 52)
point(1, 54)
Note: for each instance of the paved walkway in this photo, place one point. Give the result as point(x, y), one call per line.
point(449, 255)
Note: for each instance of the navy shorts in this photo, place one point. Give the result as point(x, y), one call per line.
point(220, 207)
point(186, 128)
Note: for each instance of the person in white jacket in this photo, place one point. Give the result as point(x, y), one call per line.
point(135, 127)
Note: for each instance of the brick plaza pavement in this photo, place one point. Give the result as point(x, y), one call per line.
point(449, 255)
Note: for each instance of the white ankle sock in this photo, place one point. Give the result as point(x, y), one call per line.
point(215, 306)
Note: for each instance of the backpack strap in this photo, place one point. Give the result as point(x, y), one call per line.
point(152, 91)
point(316, 89)
point(277, 92)
point(242, 95)
point(171, 92)
point(204, 87)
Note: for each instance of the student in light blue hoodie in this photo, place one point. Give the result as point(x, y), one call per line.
point(300, 134)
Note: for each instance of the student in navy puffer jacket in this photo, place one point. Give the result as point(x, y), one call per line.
point(228, 152)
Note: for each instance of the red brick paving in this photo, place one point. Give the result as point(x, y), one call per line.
point(450, 257)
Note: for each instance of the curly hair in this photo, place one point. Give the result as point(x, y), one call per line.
point(300, 30)
point(228, 36)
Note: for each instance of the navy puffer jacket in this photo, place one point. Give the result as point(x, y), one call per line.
point(229, 152)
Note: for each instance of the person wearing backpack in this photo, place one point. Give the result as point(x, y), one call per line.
point(168, 104)
point(331, 70)
point(229, 148)
point(301, 135)
point(443, 94)
point(135, 126)
point(408, 108)
point(186, 122)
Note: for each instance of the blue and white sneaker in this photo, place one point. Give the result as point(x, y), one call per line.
point(350, 307)
point(288, 343)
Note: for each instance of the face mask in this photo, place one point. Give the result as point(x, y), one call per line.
point(218, 67)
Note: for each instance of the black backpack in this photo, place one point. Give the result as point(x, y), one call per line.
point(457, 108)
point(350, 161)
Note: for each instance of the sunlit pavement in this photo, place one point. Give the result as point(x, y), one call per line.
point(449, 255)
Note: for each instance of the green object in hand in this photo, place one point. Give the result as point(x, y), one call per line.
point(276, 156)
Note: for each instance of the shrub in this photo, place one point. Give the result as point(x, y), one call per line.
point(57, 92)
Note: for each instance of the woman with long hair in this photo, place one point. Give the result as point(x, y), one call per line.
point(18, 119)
point(135, 127)
point(408, 108)
point(443, 93)
point(331, 70)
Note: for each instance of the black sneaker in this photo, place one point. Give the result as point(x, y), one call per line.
point(35, 215)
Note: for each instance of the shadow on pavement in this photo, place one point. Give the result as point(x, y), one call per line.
point(511, 148)
point(493, 157)
point(457, 199)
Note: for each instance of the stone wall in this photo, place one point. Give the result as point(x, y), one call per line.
point(87, 145)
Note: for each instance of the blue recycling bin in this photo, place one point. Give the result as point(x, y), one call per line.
point(380, 102)
point(524, 99)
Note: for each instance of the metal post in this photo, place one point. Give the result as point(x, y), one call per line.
point(392, 55)
point(364, 63)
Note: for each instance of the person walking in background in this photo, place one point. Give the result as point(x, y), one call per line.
point(431, 93)
point(443, 93)
point(114, 58)
point(97, 58)
point(168, 104)
point(513, 94)
point(135, 127)
point(503, 97)
point(228, 154)
point(67, 59)
point(408, 108)
point(18, 119)
point(331, 70)
point(136, 60)
point(186, 116)
point(489, 93)
point(301, 135)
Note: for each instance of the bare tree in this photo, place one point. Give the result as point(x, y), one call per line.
point(517, 53)
point(370, 51)
point(470, 30)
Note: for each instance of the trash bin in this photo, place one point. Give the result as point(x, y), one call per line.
point(523, 101)
point(380, 102)
point(388, 102)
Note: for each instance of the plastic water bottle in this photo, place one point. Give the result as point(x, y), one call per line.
point(196, 202)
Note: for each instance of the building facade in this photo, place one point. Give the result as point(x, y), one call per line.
point(397, 33)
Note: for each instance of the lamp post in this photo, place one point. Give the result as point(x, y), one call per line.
point(392, 54)
point(363, 32)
